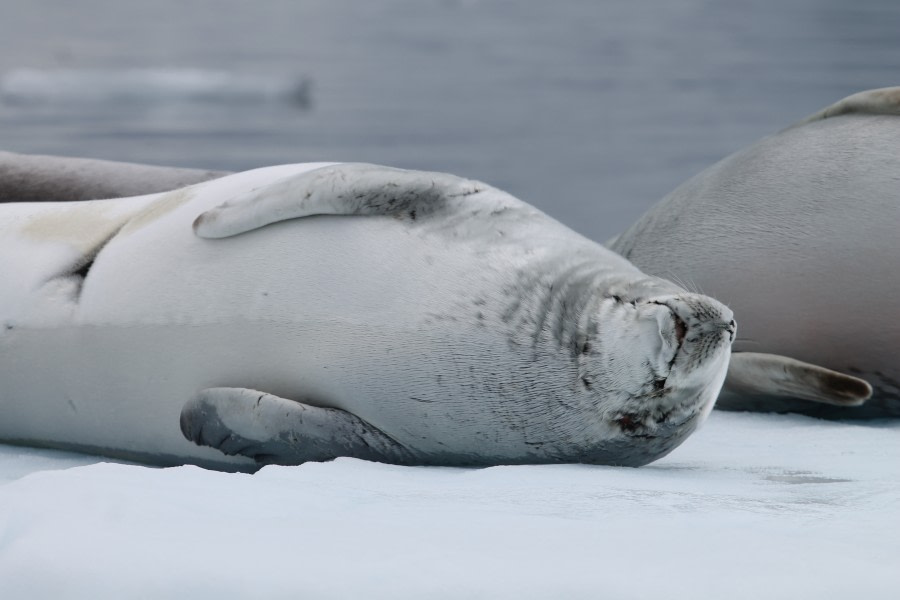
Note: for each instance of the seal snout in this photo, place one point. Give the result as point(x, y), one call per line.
point(697, 325)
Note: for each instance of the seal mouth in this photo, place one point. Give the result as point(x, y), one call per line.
point(680, 333)
point(680, 328)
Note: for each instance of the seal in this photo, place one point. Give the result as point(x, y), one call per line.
point(798, 233)
point(40, 178)
point(304, 312)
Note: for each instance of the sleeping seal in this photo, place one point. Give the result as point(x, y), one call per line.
point(305, 312)
point(40, 178)
point(798, 233)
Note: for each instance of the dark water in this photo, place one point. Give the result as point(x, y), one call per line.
point(590, 110)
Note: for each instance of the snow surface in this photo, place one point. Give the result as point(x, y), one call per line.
point(752, 506)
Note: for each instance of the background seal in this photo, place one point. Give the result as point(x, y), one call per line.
point(798, 233)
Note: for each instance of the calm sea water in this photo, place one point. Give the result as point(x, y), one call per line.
point(590, 110)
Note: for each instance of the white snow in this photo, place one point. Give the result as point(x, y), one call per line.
point(752, 506)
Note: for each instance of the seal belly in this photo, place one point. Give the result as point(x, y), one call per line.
point(113, 390)
point(119, 390)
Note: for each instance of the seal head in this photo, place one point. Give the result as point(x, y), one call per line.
point(659, 369)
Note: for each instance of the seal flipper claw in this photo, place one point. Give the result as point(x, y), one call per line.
point(271, 429)
point(772, 376)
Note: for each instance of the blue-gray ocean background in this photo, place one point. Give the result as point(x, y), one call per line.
point(591, 110)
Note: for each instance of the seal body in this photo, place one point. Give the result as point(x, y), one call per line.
point(304, 312)
point(798, 234)
point(40, 178)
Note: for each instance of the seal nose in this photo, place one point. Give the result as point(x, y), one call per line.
point(695, 317)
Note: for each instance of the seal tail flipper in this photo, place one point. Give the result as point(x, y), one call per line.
point(773, 376)
point(349, 189)
point(882, 101)
point(273, 430)
point(43, 178)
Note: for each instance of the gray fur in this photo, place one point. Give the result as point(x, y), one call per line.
point(39, 178)
point(799, 235)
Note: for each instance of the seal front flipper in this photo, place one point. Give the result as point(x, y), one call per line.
point(754, 377)
point(275, 430)
point(881, 101)
point(352, 189)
